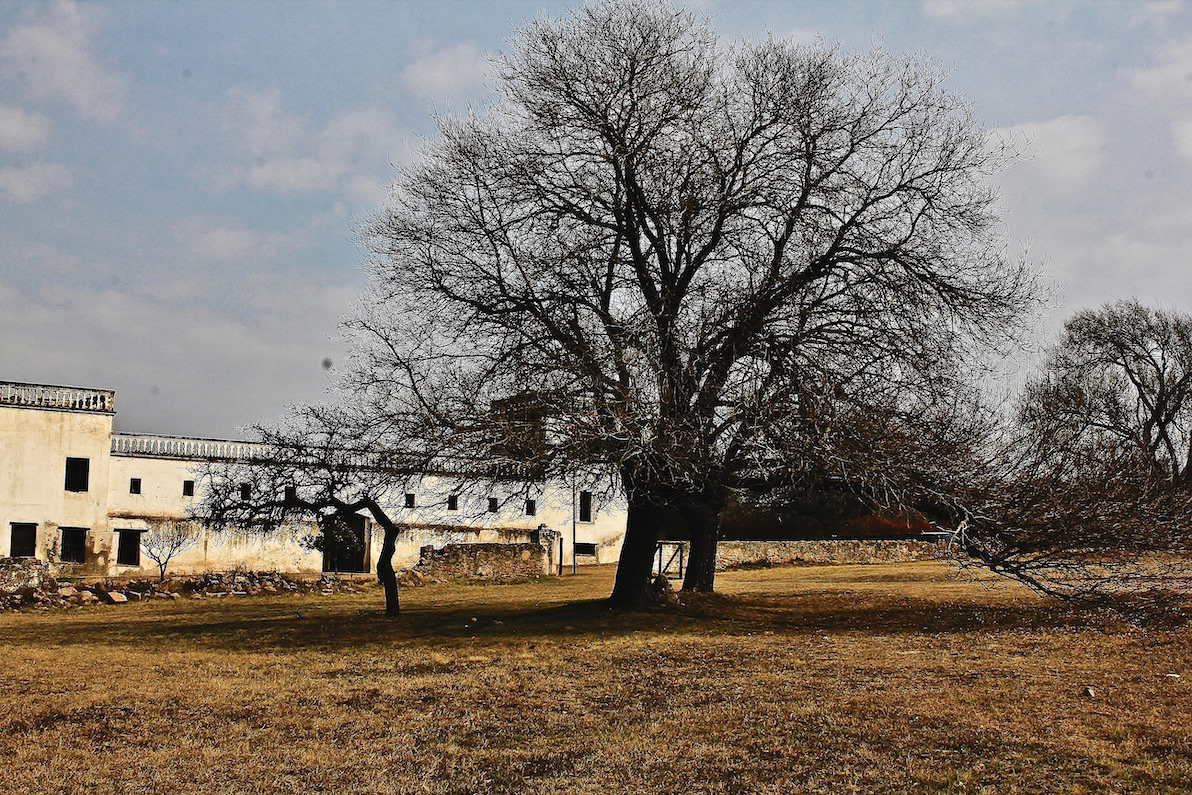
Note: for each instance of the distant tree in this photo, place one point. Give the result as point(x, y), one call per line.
point(696, 261)
point(166, 539)
point(1090, 496)
point(1119, 383)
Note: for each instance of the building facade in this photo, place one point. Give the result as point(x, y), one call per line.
point(81, 497)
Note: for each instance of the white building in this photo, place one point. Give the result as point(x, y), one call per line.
point(78, 495)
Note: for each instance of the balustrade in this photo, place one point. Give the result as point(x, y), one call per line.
point(64, 398)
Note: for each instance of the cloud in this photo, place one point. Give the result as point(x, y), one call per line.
point(1143, 254)
point(237, 369)
point(449, 71)
point(349, 155)
point(20, 130)
point(966, 9)
point(1158, 14)
point(1167, 86)
point(23, 183)
point(52, 58)
point(1063, 156)
point(202, 241)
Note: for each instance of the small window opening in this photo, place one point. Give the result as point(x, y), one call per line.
point(188, 488)
point(492, 504)
point(531, 507)
point(23, 543)
point(74, 545)
point(409, 500)
point(585, 506)
point(453, 502)
point(77, 472)
point(128, 548)
point(134, 485)
point(245, 491)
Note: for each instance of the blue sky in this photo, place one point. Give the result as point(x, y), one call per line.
point(179, 181)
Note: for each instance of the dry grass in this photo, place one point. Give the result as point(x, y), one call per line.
point(883, 678)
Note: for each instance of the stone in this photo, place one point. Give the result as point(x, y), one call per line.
point(18, 574)
point(86, 597)
point(67, 591)
point(1089, 692)
point(115, 598)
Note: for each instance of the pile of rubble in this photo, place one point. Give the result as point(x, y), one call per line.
point(28, 583)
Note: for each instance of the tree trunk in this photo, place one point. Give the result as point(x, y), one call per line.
point(385, 573)
point(703, 523)
point(632, 587)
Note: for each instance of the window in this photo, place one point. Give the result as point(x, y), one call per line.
point(245, 491)
point(585, 506)
point(24, 540)
point(134, 485)
point(77, 471)
point(291, 495)
point(492, 504)
point(188, 488)
point(74, 545)
point(409, 500)
point(453, 502)
point(128, 548)
point(531, 507)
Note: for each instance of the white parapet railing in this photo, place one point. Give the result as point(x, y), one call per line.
point(57, 398)
point(156, 446)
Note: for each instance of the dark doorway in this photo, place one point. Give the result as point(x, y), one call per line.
point(24, 540)
point(128, 550)
point(345, 544)
point(74, 545)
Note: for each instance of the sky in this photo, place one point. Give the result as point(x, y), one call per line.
point(180, 182)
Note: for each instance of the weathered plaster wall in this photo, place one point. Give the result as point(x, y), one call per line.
point(35, 442)
point(161, 487)
point(556, 506)
point(34, 446)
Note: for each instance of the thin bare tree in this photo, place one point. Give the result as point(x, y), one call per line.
point(321, 463)
point(166, 539)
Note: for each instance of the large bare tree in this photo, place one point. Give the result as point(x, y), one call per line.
point(675, 249)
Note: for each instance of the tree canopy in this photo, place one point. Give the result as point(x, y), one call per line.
point(677, 249)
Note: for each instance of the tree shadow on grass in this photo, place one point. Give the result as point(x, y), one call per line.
point(255, 625)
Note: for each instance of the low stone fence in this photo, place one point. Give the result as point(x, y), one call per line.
point(26, 583)
point(735, 554)
point(494, 561)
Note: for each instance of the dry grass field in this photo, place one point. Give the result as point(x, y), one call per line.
point(883, 678)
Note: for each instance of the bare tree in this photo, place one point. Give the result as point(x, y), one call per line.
point(1089, 496)
point(320, 462)
point(1119, 380)
point(166, 539)
point(675, 247)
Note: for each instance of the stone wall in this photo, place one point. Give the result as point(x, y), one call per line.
point(735, 554)
point(494, 561)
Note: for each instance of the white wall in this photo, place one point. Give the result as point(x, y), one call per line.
point(34, 446)
point(35, 442)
